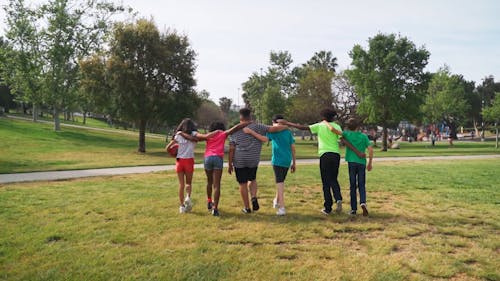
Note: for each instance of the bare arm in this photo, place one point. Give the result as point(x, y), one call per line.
point(230, 159)
point(294, 167)
point(206, 136)
point(255, 135)
point(335, 131)
point(237, 128)
point(370, 158)
point(348, 144)
point(277, 128)
point(297, 126)
point(188, 136)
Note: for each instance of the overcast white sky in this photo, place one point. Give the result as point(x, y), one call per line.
point(233, 38)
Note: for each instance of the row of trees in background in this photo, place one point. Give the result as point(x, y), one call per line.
point(385, 85)
point(66, 56)
point(43, 45)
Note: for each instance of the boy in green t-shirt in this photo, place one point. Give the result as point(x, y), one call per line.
point(329, 156)
point(357, 165)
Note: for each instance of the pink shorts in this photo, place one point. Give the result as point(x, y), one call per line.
point(184, 165)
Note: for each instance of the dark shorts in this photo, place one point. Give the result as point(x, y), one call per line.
point(244, 175)
point(280, 173)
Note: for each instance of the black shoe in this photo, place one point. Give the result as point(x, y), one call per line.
point(255, 204)
point(246, 210)
point(353, 212)
point(215, 212)
point(210, 205)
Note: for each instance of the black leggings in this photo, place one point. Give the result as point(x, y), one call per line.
point(329, 166)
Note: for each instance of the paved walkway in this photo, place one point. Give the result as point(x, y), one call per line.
point(73, 174)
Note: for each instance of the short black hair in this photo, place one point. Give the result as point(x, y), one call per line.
point(352, 124)
point(328, 114)
point(217, 126)
point(277, 117)
point(245, 113)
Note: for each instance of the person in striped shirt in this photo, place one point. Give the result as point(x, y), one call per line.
point(244, 158)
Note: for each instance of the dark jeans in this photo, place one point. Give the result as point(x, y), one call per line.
point(329, 166)
point(357, 179)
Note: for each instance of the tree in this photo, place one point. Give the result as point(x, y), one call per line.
point(314, 92)
point(151, 75)
point(389, 79)
point(279, 75)
point(345, 100)
point(74, 29)
point(322, 60)
point(446, 99)
point(207, 113)
point(225, 106)
point(486, 93)
point(273, 102)
point(22, 66)
point(94, 92)
point(492, 113)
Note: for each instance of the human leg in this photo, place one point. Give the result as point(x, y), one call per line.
point(325, 179)
point(352, 185)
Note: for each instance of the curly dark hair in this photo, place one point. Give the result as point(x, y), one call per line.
point(328, 114)
point(217, 126)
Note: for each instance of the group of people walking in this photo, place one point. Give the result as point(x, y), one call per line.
point(245, 144)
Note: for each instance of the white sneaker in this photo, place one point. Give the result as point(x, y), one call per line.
point(188, 203)
point(281, 212)
point(182, 210)
point(275, 203)
point(339, 207)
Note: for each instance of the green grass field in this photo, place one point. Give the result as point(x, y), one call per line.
point(28, 146)
point(434, 220)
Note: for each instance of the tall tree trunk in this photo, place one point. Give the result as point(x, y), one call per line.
point(384, 138)
point(142, 136)
point(303, 134)
point(57, 122)
point(476, 129)
point(35, 113)
point(482, 131)
point(496, 138)
point(84, 117)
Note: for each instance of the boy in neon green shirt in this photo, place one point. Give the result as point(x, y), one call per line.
point(329, 156)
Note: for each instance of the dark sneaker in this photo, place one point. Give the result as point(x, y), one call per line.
point(246, 210)
point(210, 205)
point(365, 210)
point(255, 204)
point(352, 213)
point(215, 212)
point(325, 212)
